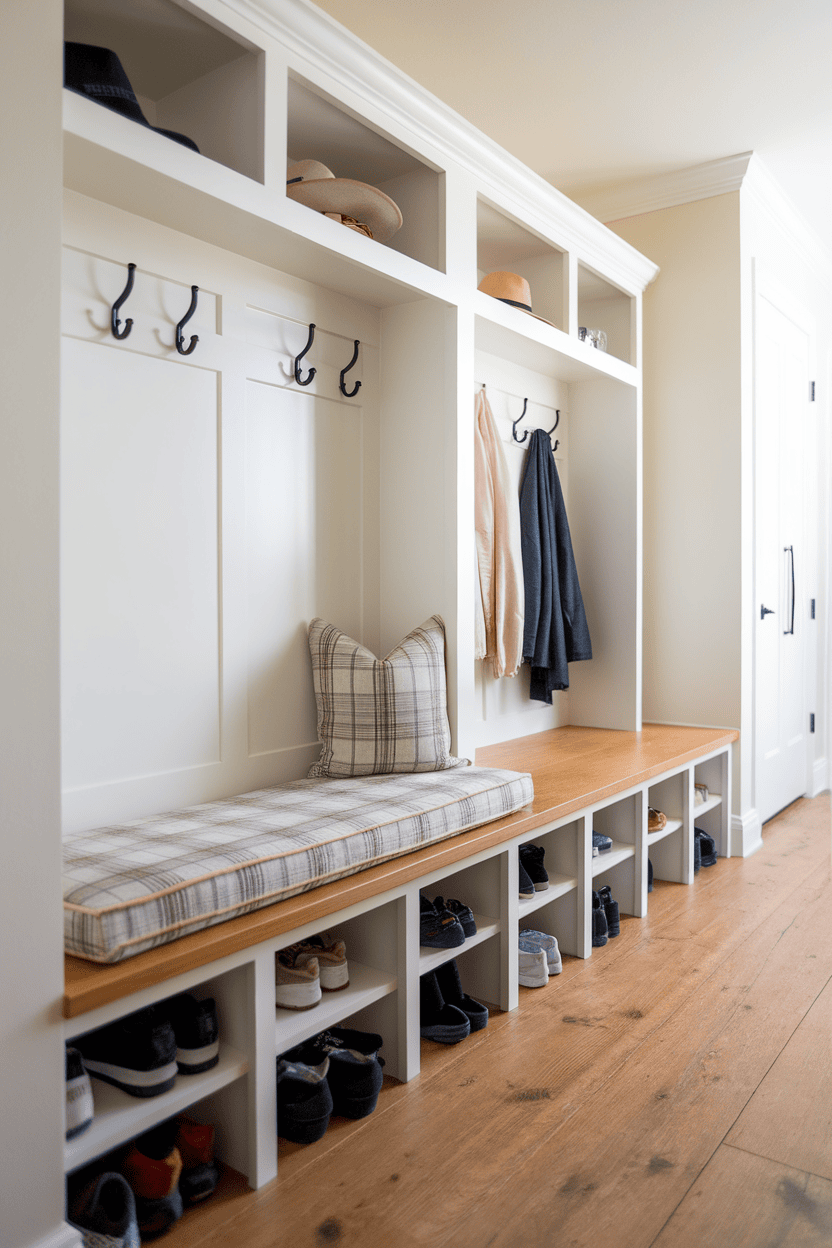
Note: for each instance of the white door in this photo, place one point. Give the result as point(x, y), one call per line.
point(781, 715)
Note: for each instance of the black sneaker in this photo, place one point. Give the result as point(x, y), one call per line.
point(354, 1074)
point(136, 1053)
point(438, 929)
point(304, 1100)
point(439, 1021)
point(79, 1107)
point(531, 857)
point(197, 1032)
point(460, 911)
point(707, 846)
point(697, 854)
point(525, 887)
point(611, 912)
point(600, 931)
point(450, 987)
point(649, 876)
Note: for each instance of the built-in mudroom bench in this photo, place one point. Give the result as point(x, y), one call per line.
point(584, 779)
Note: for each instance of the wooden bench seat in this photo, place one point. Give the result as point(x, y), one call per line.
point(572, 768)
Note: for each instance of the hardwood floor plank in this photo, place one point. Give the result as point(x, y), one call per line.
point(789, 1117)
point(744, 1201)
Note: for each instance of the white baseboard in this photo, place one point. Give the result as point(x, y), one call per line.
point(63, 1236)
point(746, 833)
point(820, 776)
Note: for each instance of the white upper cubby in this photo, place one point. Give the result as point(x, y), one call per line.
point(321, 129)
point(604, 306)
point(504, 245)
point(190, 74)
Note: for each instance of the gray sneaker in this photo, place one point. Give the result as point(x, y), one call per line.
point(531, 940)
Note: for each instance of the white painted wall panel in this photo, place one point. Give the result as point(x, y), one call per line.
point(140, 631)
point(304, 549)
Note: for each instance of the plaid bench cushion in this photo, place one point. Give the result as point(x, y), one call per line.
point(132, 886)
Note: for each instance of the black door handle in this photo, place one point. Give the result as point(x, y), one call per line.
point(764, 611)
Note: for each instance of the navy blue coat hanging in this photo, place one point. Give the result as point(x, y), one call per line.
point(556, 631)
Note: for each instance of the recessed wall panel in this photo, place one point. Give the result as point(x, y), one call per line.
point(303, 548)
point(139, 560)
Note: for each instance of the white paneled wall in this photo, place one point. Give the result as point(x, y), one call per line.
point(210, 508)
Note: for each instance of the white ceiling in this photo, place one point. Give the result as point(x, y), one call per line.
point(595, 93)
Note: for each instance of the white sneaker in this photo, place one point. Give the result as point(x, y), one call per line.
point(533, 968)
point(531, 940)
point(297, 978)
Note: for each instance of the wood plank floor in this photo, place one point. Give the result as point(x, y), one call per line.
point(673, 1090)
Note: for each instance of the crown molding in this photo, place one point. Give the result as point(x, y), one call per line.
point(312, 35)
point(667, 190)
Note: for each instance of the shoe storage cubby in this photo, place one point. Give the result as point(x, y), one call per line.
point(372, 942)
point(190, 75)
point(556, 909)
point(713, 815)
point(479, 887)
point(623, 866)
point(603, 306)
point(119, 1117)
point(670, 848)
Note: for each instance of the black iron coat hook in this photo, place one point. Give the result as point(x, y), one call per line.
point(554, 427)
point(115, 323)
point(180, 340)
point(300, 357)
point(350, 394)
point(516, 422)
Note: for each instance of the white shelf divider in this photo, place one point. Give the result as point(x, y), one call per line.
point(559, 885)
point(120, 1117)
point(713, 801)
point(366, 986)
point(672, 825)
point(429, 959)
point(611, 857)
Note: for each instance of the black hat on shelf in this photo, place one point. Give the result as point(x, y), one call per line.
point(98, 74)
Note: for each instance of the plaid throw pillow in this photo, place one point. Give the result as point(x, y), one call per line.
point(381, 715)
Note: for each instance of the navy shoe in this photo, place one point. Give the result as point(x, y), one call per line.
point(707, 846)
point(450, 988)
point(611, 912)
point(649, 876)
point(697, 854)
point(136, 1053)
point(105, 1212)
point(438, 929)
point(460, 911)
point(304, 1100)
point(600, 931)
point(439, 1021)
point(600, 844)
point(197, 1032)
point(354, 1075)
point(531, 858)
point(525, 887)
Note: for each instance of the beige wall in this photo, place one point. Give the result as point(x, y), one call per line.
point(692, 461)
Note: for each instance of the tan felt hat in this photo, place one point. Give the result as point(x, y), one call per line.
point(512, 289)
point(311, 183)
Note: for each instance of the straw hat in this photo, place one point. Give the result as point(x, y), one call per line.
point(311, 183)
point(512, 289)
